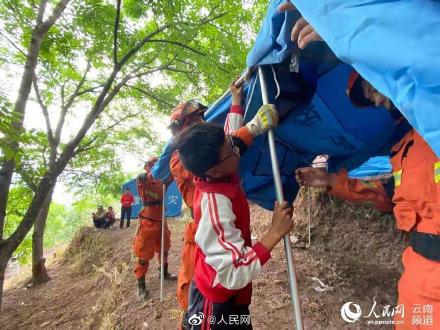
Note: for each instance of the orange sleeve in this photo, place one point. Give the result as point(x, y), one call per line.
point(183, 178)
point(245, 135)
point(371, 193)
point(177, 169)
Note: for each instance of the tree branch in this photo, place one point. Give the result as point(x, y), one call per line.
point(62, 92)
point(92, 175)
point(78, 87)
point(84, 147)
point(68, 104)
point(117, 122)
point(13, 44)
point(45, 114)
point(115, 33)
point(43, 27)
point(141, 43)
point(88, 145)
point(209, 20)
point(154, 97)
point(178, 44)
point(24, 173)
point(41, 10)
point(224, 31)
point(88, 90)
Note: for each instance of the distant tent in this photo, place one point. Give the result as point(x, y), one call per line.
point(173, 198)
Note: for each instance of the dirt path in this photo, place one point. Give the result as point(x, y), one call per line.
point(93, 287)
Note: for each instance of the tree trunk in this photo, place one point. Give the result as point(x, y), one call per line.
point(8, 246)
point(39, 272)
point(4, 258)
point(8, 166)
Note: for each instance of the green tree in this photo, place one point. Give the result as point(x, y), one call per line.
point(93, 64)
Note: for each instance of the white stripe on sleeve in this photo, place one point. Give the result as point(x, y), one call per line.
point(222, 243)
point(234, 121)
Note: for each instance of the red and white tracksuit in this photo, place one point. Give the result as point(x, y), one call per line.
point(185, 182)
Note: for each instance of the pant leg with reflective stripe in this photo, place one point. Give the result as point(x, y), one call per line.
point(167, 242)
point(437, 172)
point(186, 271)
point(419, 293)
point(147, 234)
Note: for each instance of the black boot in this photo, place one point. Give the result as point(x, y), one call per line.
point(184, 325)
point(142, 293)
point(166, 274)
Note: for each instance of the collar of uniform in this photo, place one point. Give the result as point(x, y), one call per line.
point(227, 187)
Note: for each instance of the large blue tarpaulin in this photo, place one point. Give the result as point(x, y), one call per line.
point(173, 200)
point(316, 115)
point(394, 45)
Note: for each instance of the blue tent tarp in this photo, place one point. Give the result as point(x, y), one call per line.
point(392, 44)
point(316, 115)
point(173, 198)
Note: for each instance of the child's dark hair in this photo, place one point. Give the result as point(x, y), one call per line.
point(200, 147)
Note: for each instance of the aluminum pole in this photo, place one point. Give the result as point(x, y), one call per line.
point(280, 198)
point(162, 241)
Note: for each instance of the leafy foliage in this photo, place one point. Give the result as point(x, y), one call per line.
point(180, 50)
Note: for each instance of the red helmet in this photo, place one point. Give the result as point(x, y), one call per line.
point(151, 161)
point(184, 112)
point(355, 92)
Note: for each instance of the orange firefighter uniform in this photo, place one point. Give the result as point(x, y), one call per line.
point(416, 206)
point(147, 240)
point(184, 181)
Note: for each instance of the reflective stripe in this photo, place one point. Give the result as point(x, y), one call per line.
point(368, 184)
point(437, 172)
point(397, 178)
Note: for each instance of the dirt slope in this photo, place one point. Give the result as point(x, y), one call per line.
point(354, 251)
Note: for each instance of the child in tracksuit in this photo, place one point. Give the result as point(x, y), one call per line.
point(226, 263)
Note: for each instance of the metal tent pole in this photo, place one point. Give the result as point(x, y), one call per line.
point(162, 241)
point(280, 198)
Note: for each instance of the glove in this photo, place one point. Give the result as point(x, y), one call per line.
point(265, 119)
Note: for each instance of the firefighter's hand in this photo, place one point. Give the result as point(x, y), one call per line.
point(304, 33)
point(314, 177)
point(265, 119)
point(286, 6)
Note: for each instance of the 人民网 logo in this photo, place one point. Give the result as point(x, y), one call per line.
point(348, 315)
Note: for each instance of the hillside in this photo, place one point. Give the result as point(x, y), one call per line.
point(354, 252)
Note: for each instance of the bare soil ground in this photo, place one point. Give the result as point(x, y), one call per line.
point(354, 252)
